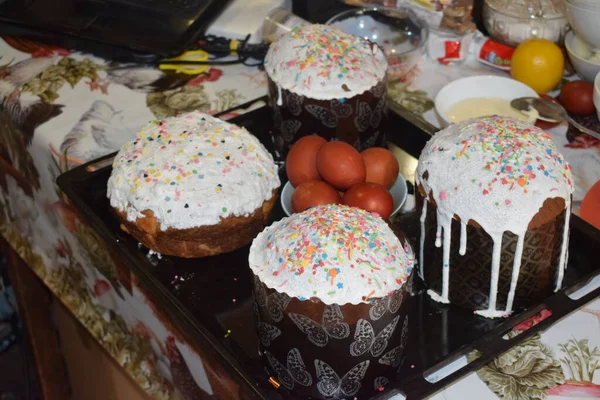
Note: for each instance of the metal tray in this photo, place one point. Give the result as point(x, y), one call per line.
point(219, 318)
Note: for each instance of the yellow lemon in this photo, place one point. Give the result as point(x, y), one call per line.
point(538, 63)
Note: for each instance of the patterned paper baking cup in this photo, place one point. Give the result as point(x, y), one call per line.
point(470, 274)
point(358, 120)
point(331, 351)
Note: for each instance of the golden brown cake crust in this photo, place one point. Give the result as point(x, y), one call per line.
point(230, 234)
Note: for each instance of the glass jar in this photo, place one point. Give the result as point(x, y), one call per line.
point(513, 21)
point(399, 32)
point(278, 22)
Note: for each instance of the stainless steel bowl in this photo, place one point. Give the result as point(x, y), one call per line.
point(400, 33)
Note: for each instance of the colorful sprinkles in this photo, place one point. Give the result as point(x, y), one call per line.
point(494, 170)
point(192, 170)
point(503, 171)
point(319, 58)
point(507, 147)
point(337, 253)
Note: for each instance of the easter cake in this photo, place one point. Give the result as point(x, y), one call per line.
point(331, 297)
point(193, 186)
point(494, 196)
point(324, 80)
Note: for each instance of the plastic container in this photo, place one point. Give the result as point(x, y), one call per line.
point(399, 32)
point(513, 21)
point(278, 22)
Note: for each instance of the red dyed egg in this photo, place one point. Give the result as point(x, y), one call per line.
point(314, 193)
point(340, 165)
point(382, 166)
point(301, 161)
point(370, 197)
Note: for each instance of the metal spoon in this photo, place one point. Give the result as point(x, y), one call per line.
point(549, 111)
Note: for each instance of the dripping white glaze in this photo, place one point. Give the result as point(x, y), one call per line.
point(463, 238)
point(422, 239)
point(437, 297)
point(567, 254)
point(438, 234)
point(497, 172)
point(446, 223)
point(515, 274)
point(491, 311)
point(564, 251)
point(279, 96)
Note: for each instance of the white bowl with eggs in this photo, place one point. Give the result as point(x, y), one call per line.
point(478, 96)
point(581, 56)
point(399, 192)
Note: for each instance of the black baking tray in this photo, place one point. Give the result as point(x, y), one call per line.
point(206, 312)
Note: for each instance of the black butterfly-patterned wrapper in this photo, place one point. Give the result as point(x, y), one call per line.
point(331, 351)
point(359, 120)
point(470, 275)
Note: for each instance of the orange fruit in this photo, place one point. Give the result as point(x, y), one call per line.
point(538, 63)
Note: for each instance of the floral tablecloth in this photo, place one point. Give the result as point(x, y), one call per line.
point(60, 109)
point(563, 362)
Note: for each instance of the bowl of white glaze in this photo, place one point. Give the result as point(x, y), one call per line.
point(399, 192)
point(478, 87)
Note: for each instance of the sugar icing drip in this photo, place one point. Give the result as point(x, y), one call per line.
point(564, 252)
point(437, 297)
point(463, 238)
point(279, 96)
point(192, 170)
point(445, 223)
point(491, 311)
point(515, 274)
point(422, 239)
point(497, 172)
point(322, 62)
point(438, 235)
point(338, 254)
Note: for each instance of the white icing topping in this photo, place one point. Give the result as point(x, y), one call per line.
point(322, 62)
point(422, 238)
point(463, 238)
point(192, 170)
point(497, 172)
point(564, 252)
point(491, 311)
point(336, 253)
point(445, 221)
point(436, 297)
point(515, 272)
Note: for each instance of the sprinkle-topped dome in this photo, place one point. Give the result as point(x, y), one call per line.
point(192, 170)
point(496, 172)
point(324, 63)
point(336, 253)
